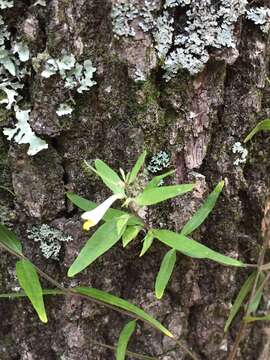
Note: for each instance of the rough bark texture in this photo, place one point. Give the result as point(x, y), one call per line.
point(197, 120)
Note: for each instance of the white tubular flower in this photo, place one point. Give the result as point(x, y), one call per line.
point(92, 217)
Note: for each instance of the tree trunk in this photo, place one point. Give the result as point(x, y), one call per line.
point(196, 119)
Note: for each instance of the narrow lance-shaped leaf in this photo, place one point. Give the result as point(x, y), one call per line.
point(102, 240)
point(29, 281)
point(255, 302)
point(124, 305)
point(249, 319)
point(157, 195)
point(201, 214)
point(137, 167)
point(105, 298)
point(124, 337)
point(155, 182)
point(9, 240)
point(263, 125)
point(130, 234)
point(193, 248)
point(88, 205)
point(240, 298)
point(147, 242)
point(109, 177)
point(165, 272)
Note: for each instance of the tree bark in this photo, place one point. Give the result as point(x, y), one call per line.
point(196, 119)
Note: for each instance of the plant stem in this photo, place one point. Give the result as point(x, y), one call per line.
point(260, 268)
point(130, 353)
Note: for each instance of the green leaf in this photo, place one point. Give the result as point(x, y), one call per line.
point(124, 337)
point(9, 240)
point(88, 205)
point(263, 125)
point(110, 177)
point(249, 319)
point(157, 195)
point(29, 281)
point(147, 242)
point(156, 180)
point(101, 241)
point(137, 167)
point(245, 289)
point(200, 215)
point(193, 248)
point(105, 298)
point(165, 272)
point(130, 234)
point(122, 304)
point(258, 296)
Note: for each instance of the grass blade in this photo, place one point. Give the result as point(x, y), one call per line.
point(165, 272)
point(124, 337)
point(105, 298)
point(263, 125)
point(249, 319)
point(245, 289)
point(29, 281)
point(200, 215)
point(124, 305)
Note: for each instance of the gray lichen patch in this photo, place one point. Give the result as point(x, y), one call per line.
point(187, 41)
point(260, 16)
point(49, 239)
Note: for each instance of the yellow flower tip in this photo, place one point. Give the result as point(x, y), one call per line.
point(87, 225)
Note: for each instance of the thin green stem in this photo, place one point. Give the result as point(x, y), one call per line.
point(130, 353)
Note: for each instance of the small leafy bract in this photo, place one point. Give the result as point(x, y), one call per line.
point(130, 234)
point(124, 337)
point(159, 194)
point(263, 125)
point(137, 167)
point(192, 248)
point(165, 272)
point(29, 281)
point(147, 242)
point(122, 304)
point(109, 177)
point(101, 241)
point(245, 289)
point(201, 214)
point(9, 240)
point(88, 205)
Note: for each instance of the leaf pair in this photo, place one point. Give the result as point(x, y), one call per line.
point(196, 220)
